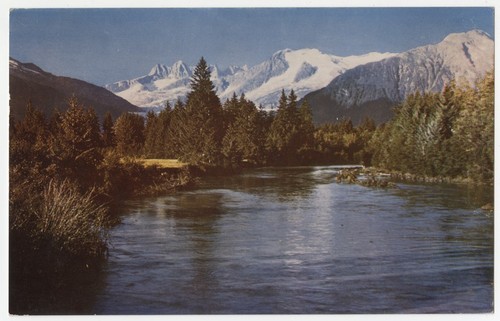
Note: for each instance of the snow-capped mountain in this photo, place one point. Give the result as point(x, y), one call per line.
point(333, 85)
point(373, 89)
point(162, 83)
point(303, 70)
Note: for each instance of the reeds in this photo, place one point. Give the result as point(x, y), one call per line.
point(64, 220)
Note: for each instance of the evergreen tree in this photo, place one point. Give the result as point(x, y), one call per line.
point(108, 135)
point(231, 108)
point(447, 134)
point(474, 129)
point(176, 130)
point(164, 139)
point(202, 125)
point(152, 136)
point(129, 134)
point(306, 133)
point(365, 131)
point(244, 139)
point(283, 137)
point(75, 144)
point(32, 128)
point(28, 152)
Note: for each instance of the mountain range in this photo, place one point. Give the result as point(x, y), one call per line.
point(29, 83)
point(335, 87)
point(302, 70)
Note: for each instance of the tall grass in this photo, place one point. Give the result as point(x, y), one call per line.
point(62, 220)
point(58, 238)
point(72, 221)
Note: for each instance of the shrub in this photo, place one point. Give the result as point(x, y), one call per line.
point(73, 222)
point(62, 221)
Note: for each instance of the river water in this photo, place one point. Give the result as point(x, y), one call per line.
point(292, 240)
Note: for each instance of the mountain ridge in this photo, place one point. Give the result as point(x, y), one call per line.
point(302, 70)
point(30, 83)
point(463, 57)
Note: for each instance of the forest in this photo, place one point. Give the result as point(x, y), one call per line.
point(66, 170)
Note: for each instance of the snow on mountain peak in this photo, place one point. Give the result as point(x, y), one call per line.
point(180, 70)
point(469, 54)
point(303, 70)
point(159, 71)
point(473, 35)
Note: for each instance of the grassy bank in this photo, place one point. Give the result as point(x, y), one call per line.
point(53, 235)
point(58, 226)
point(162, 163)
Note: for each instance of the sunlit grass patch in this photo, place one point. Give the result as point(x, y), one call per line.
point(163, 163)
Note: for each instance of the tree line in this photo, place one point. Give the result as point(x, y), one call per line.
point(206, 133)
point(448, 134)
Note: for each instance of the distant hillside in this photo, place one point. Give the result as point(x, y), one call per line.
point(46, 91)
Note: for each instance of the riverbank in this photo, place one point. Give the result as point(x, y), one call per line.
point(58, 229)
point(377, 177)
point(415, 178)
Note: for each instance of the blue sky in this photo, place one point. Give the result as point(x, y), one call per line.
point(106, 45)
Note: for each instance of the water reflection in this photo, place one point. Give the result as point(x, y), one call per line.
point(280, 184)
point(294, 241)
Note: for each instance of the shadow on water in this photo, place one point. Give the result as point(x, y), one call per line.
point(72, 291)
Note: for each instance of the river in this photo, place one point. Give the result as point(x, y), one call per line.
point(292, 240)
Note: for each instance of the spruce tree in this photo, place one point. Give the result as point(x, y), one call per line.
point(306, 132)
point(28, 152)
point(151, 136)
point(129, 134)
point(202, 125)
point(108, 135)
point(75, 144)
point(244, 139)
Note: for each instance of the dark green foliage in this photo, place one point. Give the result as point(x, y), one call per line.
point(74, 144)
point(287, 140)
point(199, 126)
point(108, 133)
point(245, 135)
point(129, 134)
point(448, 134)
point(152, 136)
point(28, 153)
point(158, 136)
point(342, 143)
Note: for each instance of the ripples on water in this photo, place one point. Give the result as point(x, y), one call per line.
point(294, 241)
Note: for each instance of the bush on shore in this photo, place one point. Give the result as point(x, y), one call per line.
point(61, 222)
